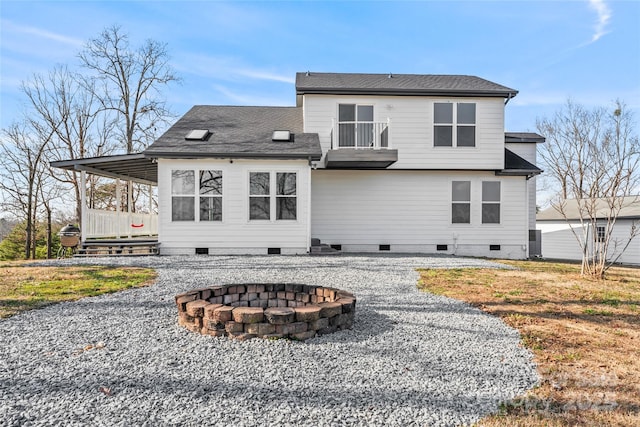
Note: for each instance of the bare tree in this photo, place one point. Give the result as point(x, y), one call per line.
point(127, 82)
point(67, 110)
point(21, 177)
point(594, 158)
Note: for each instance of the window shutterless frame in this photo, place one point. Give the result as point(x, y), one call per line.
point(207, 192)
point(210, 192)
point(273, 195)
point(183, 195)
point(491, 202)
point(461, 202)
point(454, 124)
point(355, 125)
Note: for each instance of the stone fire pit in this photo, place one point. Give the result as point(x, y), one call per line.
point(274, 310)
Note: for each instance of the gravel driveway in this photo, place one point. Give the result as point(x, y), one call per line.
point(412, 358)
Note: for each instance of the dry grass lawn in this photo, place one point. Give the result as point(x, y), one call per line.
point(584, 333)
point(24, 286)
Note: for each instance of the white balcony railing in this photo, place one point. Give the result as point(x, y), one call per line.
point(360, 135)
point(101, 223)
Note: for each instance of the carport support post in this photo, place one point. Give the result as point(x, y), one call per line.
point(118, 208)
point(129, 202)
point(150, 208)
point(83, 203)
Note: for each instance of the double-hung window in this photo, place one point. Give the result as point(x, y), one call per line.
point(490, 202)
point(454, 124)
point(184, 195)
point(260, 195)
point(210, 195)
point(286, 197)
point(267, 204)
point(461, 202)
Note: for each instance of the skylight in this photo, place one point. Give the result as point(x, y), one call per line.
point(197, 135)
point(281, 135)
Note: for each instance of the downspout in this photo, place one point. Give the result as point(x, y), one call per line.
point(527, 205)
point(309, 206)
point(509, 96)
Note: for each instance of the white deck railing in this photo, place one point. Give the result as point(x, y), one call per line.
point(360, 135)
point(101, 223)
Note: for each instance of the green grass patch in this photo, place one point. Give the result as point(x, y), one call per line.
point(23, 287)
point(597, 312)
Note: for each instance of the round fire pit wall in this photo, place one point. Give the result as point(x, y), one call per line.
point(273, 310)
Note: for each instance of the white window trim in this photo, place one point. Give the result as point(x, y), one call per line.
point(454, 125)
point(196, 195)
point(222, 196)
point(451, 202)
point(273, 173)
point(499, 203)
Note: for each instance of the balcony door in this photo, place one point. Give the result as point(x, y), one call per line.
point(355, 125)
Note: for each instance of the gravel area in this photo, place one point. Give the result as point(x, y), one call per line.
point(444, 363)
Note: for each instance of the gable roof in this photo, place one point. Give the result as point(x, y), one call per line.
point(398, 84)
point(630, 209)
point(237, 132)
point(526, 137)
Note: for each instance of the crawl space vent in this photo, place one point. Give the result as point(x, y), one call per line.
point(198, 135)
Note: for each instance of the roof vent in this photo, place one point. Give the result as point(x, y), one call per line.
point(197, 135)
point(281, 136)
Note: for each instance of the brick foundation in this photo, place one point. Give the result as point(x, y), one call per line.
point(273, 310)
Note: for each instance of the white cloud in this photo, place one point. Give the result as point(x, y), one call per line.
point(226, 68)
point(251, 99)
point(40, 33)
point(604, 16)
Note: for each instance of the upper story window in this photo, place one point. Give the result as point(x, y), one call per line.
point(263, 201)
point(454, 124)
point(183, 195)
point(355, 125)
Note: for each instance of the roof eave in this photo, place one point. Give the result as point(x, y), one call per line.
point(529, 173)
point(408, 92)
point(258, 156)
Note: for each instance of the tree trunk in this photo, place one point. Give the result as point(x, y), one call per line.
point(27, 240)
point(49, 234)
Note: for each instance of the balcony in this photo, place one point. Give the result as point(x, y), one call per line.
point(360, 145)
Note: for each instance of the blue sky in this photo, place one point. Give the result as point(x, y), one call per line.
point(247, 53)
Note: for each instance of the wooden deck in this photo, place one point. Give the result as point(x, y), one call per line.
point(118, 247)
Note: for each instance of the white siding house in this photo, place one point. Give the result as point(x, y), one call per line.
point(560, 234)
point(362, 163)
point(234, 232)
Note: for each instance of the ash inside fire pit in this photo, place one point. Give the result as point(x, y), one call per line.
point(273, 310)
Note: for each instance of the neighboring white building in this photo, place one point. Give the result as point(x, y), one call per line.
point(363, 163)
point(559, 240)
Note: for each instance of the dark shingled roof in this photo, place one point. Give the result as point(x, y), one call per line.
point(238, 132)
point(398, 84)
point(529, 137)
point(515, 165)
